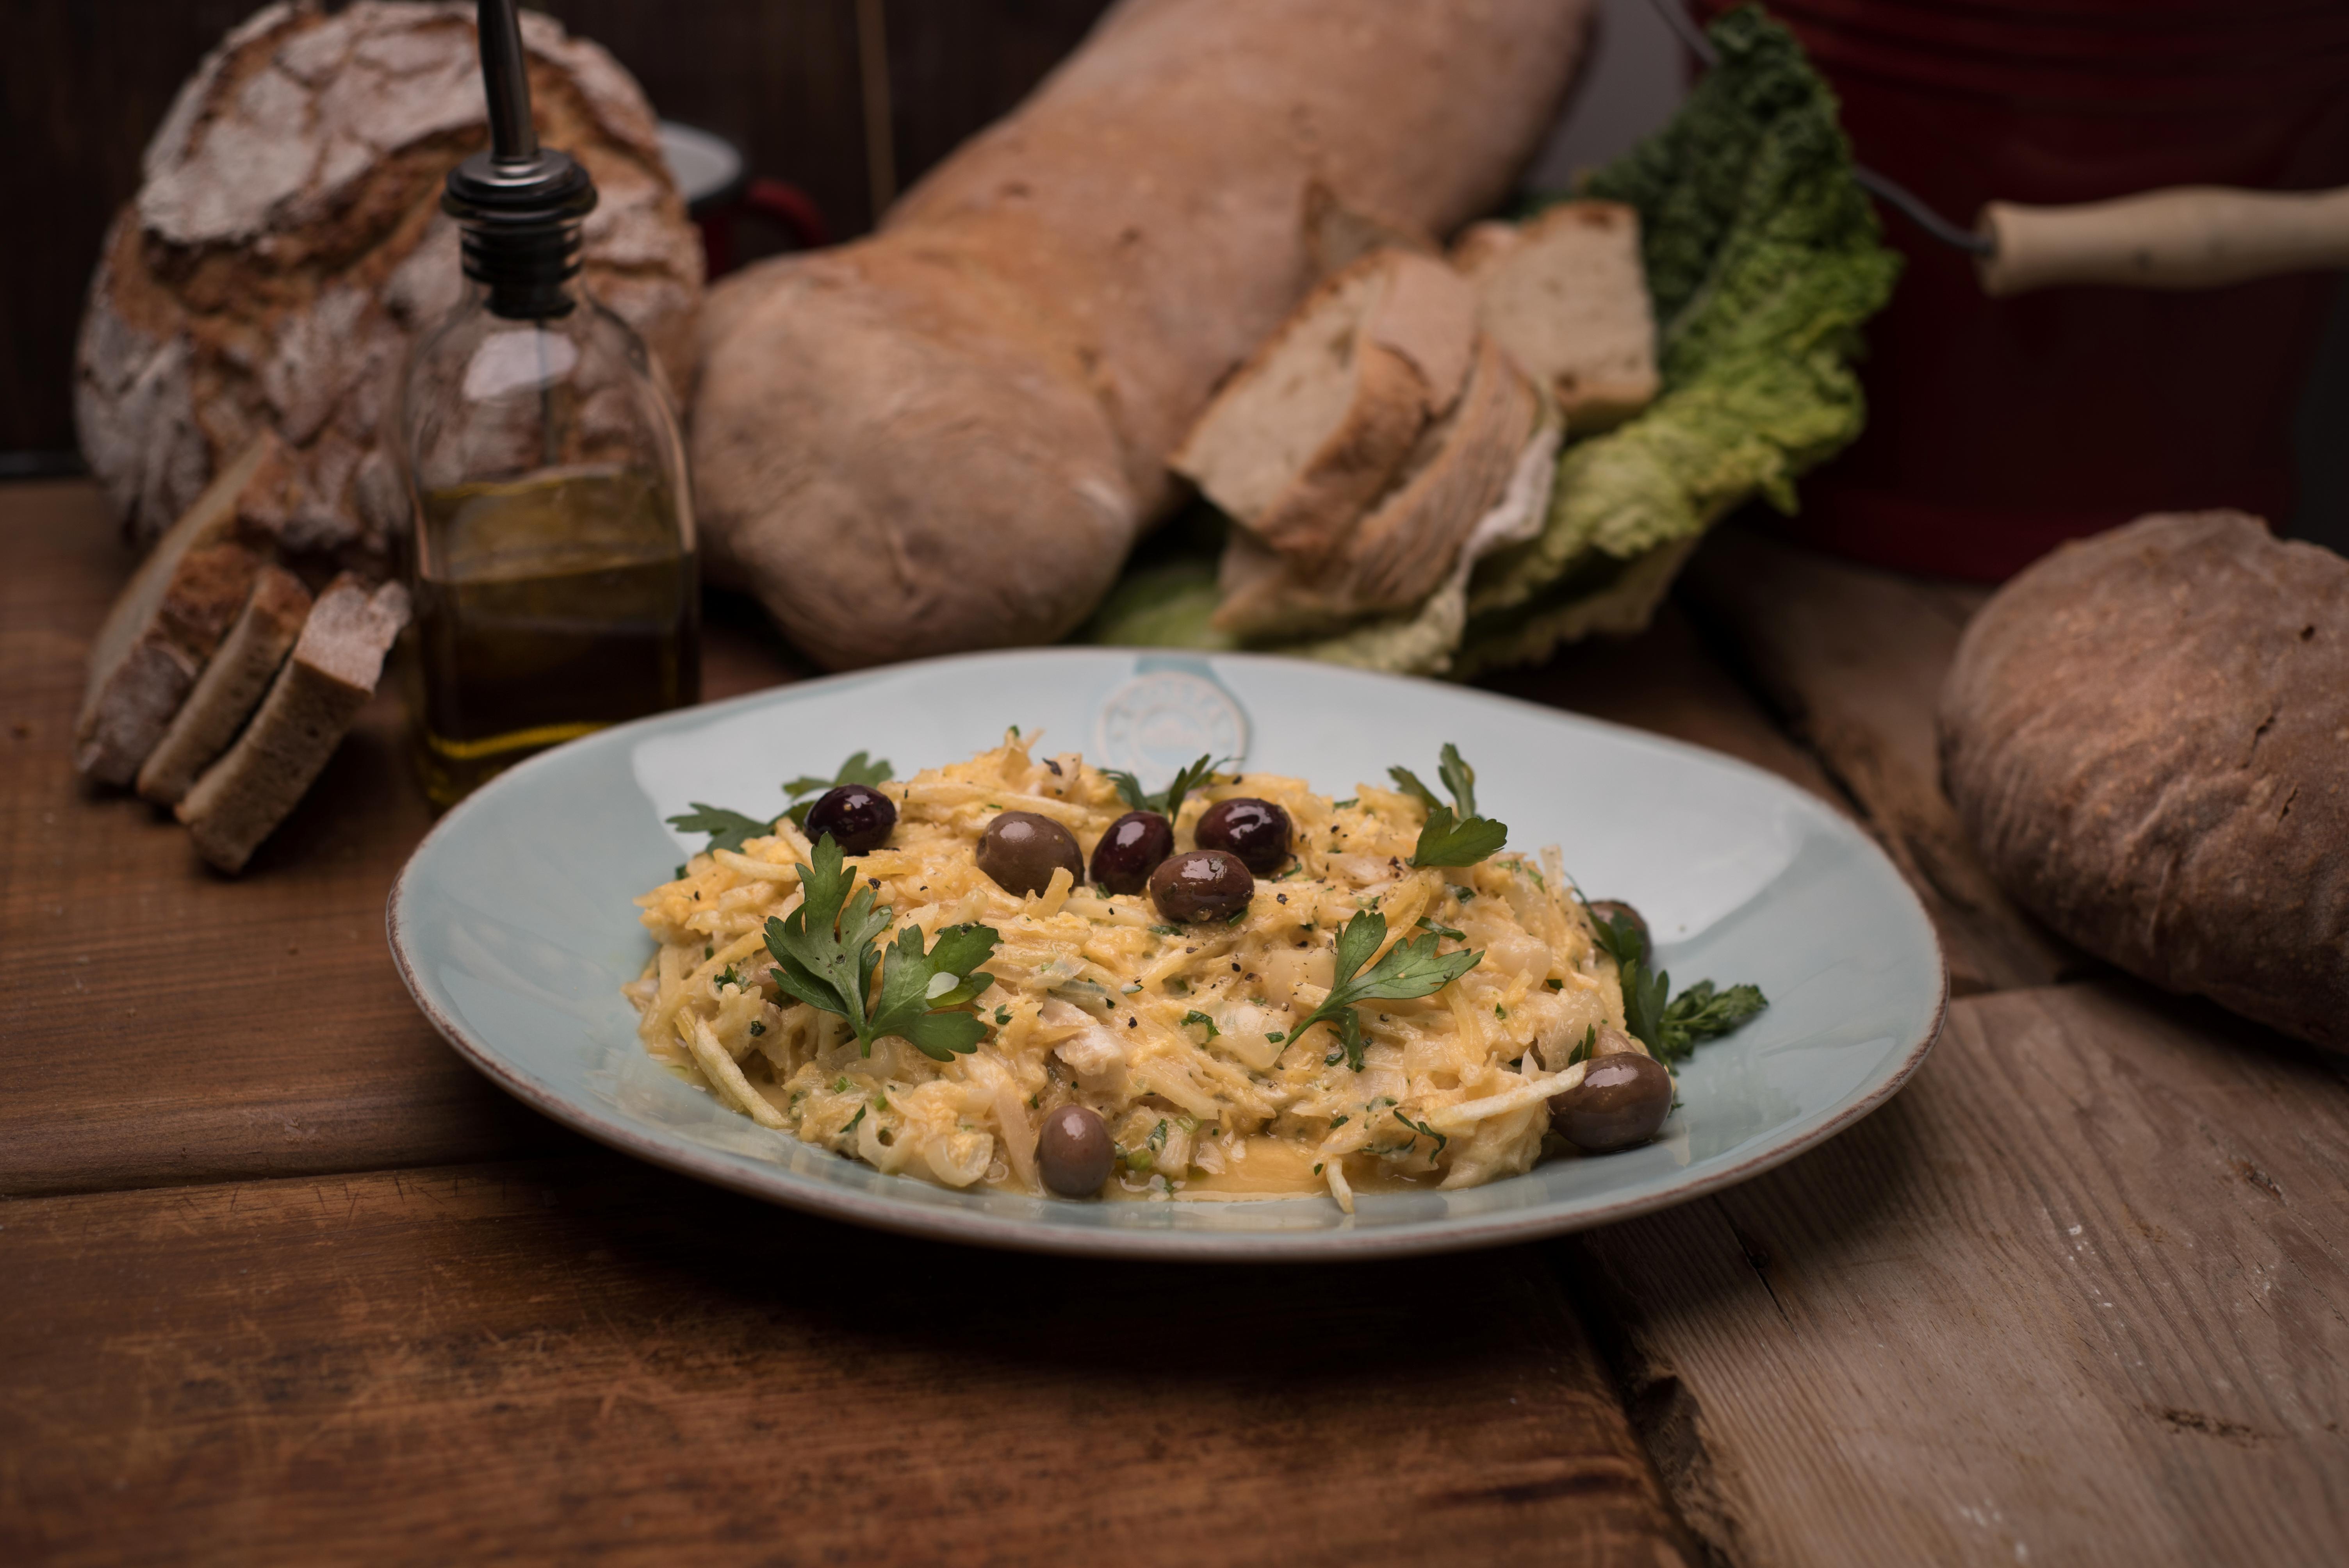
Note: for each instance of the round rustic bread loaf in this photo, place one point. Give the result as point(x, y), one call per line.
point(948, 435)
point(2147, 735)
point(287, 243)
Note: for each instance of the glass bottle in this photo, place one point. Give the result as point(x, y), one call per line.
point(552, 558)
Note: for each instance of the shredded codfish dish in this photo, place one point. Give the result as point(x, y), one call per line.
point(1026, 973)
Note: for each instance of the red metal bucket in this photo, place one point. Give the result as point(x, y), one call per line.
point(1999, 427)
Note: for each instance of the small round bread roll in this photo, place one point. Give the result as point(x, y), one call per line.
point(2147, 735)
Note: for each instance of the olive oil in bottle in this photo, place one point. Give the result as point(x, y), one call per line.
point(561, 604)
point(552, 561)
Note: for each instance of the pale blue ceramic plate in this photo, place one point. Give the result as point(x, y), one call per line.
point(512, 926)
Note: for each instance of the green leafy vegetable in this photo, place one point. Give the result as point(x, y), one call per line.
point(1420, 1130)
point(1669, 1030)
point(1762, 259)
point(1170, 800)
point(727, 830)
point(1424, 924)
point(1451, 837)
point(1411, 968)
point(1701, 1013)
point(1197, 1016)
point(825, 956)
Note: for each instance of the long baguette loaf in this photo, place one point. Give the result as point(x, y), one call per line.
point(948, 435)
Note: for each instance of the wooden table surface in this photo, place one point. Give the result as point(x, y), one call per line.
point(282, 1281)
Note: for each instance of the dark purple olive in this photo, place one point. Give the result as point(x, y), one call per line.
point(1201, 885)
point(1621, 1102)
point(1131, 850)
point(1605, 909)
point(857, 816)
point(1021, 849)
point(1074, 1153)
point(1256, 830)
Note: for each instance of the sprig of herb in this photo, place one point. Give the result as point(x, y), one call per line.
point(727, 830)
point(1671, 1029)
point(1411, 968)
point(731, 829)
point(858, 769)
point(1453, 835)
point(1168, 803)
point(1420, 1130)
point(825, 956)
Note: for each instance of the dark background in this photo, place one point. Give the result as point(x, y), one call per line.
point(84, 83)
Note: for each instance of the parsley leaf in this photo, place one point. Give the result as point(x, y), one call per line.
point(1197, 1016)
point(1170, 802)
point(1701, 1013)
point(1420, 1130)
point(727, 830)
point(1459, 779)
point(1426, 924)
point(825, 955)
point(1448, 840)
point(859, 768)
point(1670, 1029)
point(1453, 835)
point(1410, 786)
point(1411, 968)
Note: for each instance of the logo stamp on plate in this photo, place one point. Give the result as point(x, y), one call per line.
point(1161, 719)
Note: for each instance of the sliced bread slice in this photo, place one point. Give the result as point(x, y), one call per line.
point(170, 616)
point(336, 664)
point(232, 682)
point(1315, 424)
point(1398, 553)
point(1566, 294)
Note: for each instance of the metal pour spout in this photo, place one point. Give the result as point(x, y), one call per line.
point(514, 137)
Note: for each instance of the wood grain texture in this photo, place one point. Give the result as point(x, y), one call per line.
point(549, 1361)
point(2079, 1295)
point(1665, 680)
point(1853, 658)
point(160, 1023)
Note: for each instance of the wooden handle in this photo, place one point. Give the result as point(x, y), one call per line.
point(2193, 237)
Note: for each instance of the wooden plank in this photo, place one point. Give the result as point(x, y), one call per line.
point(549, 1360)
point(2079, 1295)
point(159, 1023)
point(1666, 681)
point(1853, 658)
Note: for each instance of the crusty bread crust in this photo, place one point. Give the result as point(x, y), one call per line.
point(982, 396)
point(233, 682)
point(258, 783)
point(172, 614)
point(2146, 736)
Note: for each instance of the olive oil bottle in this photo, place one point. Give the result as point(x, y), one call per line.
point(551, 559)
